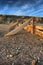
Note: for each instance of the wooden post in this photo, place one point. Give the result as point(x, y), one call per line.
point(34, 25)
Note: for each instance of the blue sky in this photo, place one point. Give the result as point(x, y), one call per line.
point(22, 7)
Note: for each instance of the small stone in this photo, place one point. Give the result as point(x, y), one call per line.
point(7, 56)
point(12, 39)
point(13, 63)
point(40, 51)
point(19, 48)
point(33, 62)
point(41, 39)
point(11, 56)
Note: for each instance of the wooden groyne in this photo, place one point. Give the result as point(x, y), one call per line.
point(29, 25)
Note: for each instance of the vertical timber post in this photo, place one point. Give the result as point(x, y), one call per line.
point(34, 25)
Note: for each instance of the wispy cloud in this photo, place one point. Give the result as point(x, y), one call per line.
point(22, 7)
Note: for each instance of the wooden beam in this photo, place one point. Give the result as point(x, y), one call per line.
point(5, 27)
point(39, 27)
point(13, 24)
point(16, 30)
point(40, 33)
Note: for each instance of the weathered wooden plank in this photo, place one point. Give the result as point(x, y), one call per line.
point(6, 27)
point(16, 30)
point(13, 24)
point(39, 27)
point(40, 33)
point(39, 24)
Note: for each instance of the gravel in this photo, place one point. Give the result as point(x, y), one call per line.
point(20, 49)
